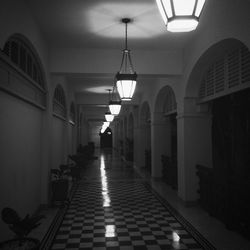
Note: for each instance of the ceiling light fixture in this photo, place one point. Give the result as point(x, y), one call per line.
point(114, 105)
point(180, 15)
point(108, 116)
point(126, 77)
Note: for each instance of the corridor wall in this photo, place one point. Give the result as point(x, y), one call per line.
point(20, 144)
point(22, 124)
point(58, 142)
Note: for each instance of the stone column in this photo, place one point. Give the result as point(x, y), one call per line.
point(160, 142)
point(194, 147)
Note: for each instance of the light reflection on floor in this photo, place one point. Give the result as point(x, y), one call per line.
point(105, 191)
point(117, 210)
point(109, 229)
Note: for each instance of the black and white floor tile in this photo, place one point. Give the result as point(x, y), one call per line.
point(123, 213)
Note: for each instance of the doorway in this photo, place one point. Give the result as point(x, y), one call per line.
point(106, 139)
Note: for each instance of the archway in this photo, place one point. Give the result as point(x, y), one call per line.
point(223, 94)
point(164, 130)
point(145, 137)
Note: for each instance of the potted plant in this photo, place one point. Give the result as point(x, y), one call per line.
point(60, 183)
point(21, 228)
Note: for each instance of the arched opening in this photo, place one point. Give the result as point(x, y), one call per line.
point(106, 138)
point(224, 90)
point(165, 126)
point(145, 137)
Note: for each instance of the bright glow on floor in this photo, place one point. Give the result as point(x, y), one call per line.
point(105, 191)
point(110, 231)
point(176, 237)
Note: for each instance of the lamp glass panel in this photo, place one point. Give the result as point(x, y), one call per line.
point(183, 7)
point(182, 25)
point(126, 89)
point(199, 7)
point(114, 109)
point(164, 7)
point(106, 124)
point(109, 117)
point(168, 7)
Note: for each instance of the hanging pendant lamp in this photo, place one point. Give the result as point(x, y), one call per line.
point(126, 77)
point(109, 117)
point(180, 15)
point(114, 105)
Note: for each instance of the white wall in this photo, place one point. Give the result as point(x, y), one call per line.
point(58, 142)
point(20, 148)
point(22, 141)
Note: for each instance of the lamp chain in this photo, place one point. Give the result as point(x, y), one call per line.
point(126, 63)
point(126, 36)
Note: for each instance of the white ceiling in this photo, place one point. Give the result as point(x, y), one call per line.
point(96, 24)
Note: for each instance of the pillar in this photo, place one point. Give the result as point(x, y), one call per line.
point(160, 143)
point(194, 147)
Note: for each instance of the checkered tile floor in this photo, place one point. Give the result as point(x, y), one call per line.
point(120, 214)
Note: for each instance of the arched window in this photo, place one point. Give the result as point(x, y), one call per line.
point(72, 115)
point(20, 62)
point(59, 102)
point(226, 75)
point(21, 53)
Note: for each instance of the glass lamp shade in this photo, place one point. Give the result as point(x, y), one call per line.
point(126, 84)
point(109, 117)
point(180, 15)
point(106, 124)
point(115, 107)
